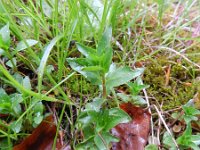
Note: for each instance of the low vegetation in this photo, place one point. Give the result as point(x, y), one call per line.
point(86, 70)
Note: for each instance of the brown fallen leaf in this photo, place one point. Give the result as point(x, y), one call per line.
point(42, 137)
point(132, 135)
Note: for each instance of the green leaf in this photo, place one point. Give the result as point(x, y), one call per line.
point(190, 113)
point(107, 59)
point(16, 126)
point(50, 68)
point(121, 76)
point(84, 119)
point(78, 64)
point(88, 132)
point(38, 119)
point(16, 107)
point(92, 68)
point(5, 145)
point(5, 102)
point(1, 52)
point(116, 116)
point(97, 119)
point(124, 97)
point(86, 51)
point(168, 141)
point(137, 86)
point(151, 147)
point(196, 139)
point(5, 108)
point(44, 59)
point(38, 113)
point(25, 44)
point(138, 100)
point(46, 9)
point(18, 77)
point(186, 140)
point(27, 83)
point(38, 108)
point(107, 137)
point(104, 43)
point(9, 63)
point(87, 145)
point(95, 105)
point(5, 37)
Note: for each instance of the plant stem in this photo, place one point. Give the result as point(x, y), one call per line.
point(104, 86)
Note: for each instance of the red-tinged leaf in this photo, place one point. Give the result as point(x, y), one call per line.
point(42, 137)
point(132, 135)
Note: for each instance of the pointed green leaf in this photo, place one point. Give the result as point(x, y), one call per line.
point(16, 99)
point(44, 59)
point(95, 105)
point(23, 45)
point(5, 37)
point(86, 51)
point(79, 63)
point(107, 137)
point(107, 59)
point(121, 76)
point(9, 63)
point(137, 86)
point(46, 9)
point(16, 126)
point(168, 141)
point(104, 42)
point(116, 116)
point(151, 147)
point(27, 83)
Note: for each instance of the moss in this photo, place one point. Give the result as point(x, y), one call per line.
point(180, 89)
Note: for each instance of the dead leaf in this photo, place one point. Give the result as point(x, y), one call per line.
point(42, 137)
point(132, 135)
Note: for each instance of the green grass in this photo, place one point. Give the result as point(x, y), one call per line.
point(143, 29)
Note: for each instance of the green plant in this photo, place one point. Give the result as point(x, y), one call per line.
point(187, 139)
point(134, 89)
point(5, 44)
point(12, 105)
point(96, 120)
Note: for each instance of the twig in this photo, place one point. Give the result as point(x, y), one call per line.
point(159, 126)
point(168, 130)
point(178, 53)
point(148, 105)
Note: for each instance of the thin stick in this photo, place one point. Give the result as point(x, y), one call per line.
point(178, 53)
point(168, 130)
point(148, 104)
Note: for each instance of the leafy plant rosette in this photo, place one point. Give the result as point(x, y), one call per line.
point(96, 66)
